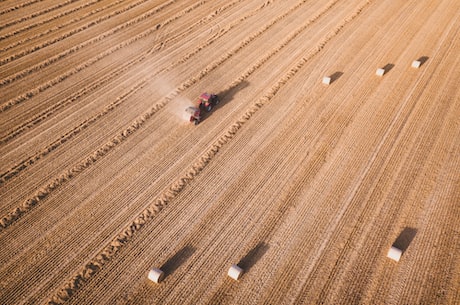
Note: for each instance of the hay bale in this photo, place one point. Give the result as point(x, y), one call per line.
point(380, 72)
point(416, 64)
point(326, 80)
point(156, 275)
point(235, 272)
point(394, 253)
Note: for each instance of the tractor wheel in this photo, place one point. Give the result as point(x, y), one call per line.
point(209, 107)
point(197, 122)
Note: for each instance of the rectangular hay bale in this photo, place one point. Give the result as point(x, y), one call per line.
point(416, 64)
point(394, 253)
point(380, 72)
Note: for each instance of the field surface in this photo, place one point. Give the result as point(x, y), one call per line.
point(304, 185)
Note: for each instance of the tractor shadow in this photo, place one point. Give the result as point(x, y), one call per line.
point(174, 262)
point(225, 97)
point(405, 238)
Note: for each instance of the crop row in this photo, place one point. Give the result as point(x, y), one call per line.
point(107, 78)
point(52, 18)
point(19, 6)
point(176, 187)
point(81, 45)
point(33, 15)
point(31, 160)
point(85, 124)
point(27, 95)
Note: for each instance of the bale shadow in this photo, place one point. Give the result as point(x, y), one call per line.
point(335, 76)
point(173, 263)
point(225, 97)
point(388, 67)
point(405, 238)
point(423, 60)
point(253, 256)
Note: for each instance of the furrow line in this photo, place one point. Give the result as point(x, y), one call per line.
point(58, 79)
point(65, 102)
point(386, 163)
point(22, 165)
point(381, 166)
point(354, 16)
point(42, 193)
point(55, 17)
point(19, 6)
point(299, 177)
point(31, 160)
point(74, 31)
point(48, 112)
point(36, 14)
point(402, 115)
point(95, 264)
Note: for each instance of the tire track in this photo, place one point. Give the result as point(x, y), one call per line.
point(118, 71)
point(299, 248)
point(33, 15)
point(440, 142)
point(74, 30)
point(374, 180)
point(95, 264)
point(343, 259)
point(292, 153)
point(15, 170)
point(19, 6)
point(86, 43)
point(420, 162)
point(22, 165)
point(55, 17)
point(25, 96)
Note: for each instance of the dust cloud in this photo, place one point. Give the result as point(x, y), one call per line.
point(176, 107)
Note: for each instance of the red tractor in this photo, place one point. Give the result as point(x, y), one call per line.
point(206, 101)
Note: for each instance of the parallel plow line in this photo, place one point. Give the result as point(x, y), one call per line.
point(15, 170)
point(375, 179)
point(55, 17)
point(436, 140)
point(401, 165)
point(386, 148)
point(77, 30)
point(58, 79)
point(75, 48)
point(76, 282)
point(33, 15)
point(22, 165)
point(107, 78)
point(265, 223)
point(18, 6)
point(294, 226)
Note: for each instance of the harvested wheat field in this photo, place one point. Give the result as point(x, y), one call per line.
point(312, 166)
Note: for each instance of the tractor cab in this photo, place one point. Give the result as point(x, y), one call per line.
point(206, 101)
